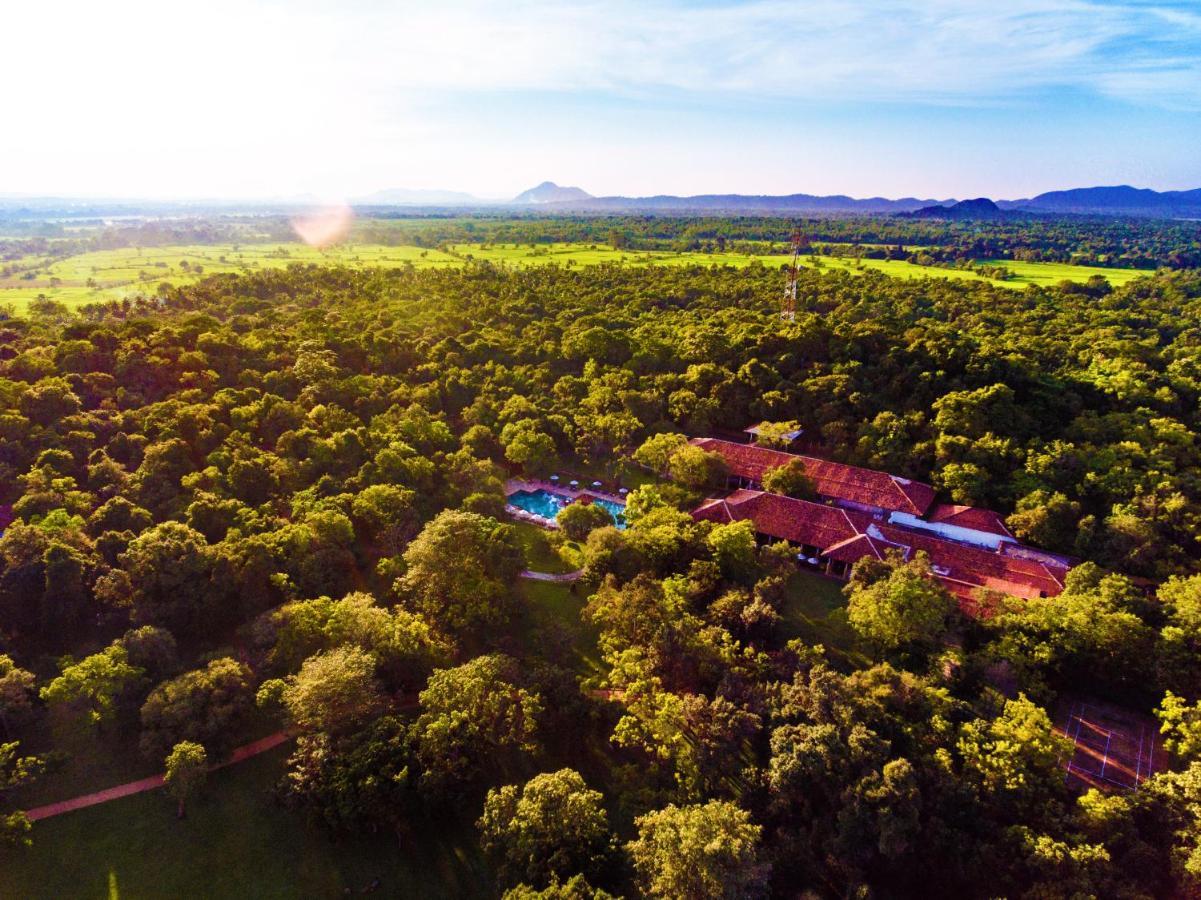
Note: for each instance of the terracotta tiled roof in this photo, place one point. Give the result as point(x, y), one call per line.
point(847, 536)
point(978, 568)
point(796, 521)
point(835, 480)
point(968, 517)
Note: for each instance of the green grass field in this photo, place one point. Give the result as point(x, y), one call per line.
point(116, 274)
point(540, 555)
point(815, 610)
point(235, 842)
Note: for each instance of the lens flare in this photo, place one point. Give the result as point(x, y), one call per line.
point(324, 227)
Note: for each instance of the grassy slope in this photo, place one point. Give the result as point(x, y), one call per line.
point(131, 271)
point(235, 842)
point(539, 554)
point(815, 611)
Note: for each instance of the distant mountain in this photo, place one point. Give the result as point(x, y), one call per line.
point(549, 192)
point(405, 197)
point(742, 203)
point(980, 208)
point(1122, 200)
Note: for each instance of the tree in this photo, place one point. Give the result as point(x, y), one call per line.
point(1016, 754)
point(697, 468)
point(461, 571)
point(16, 771)
point(698, 853)
point(334, 692)
point(904, 607)
point(776, 434)
point(706, 743)
point(578, 520)
point(551, 828)
point(16, 693)
point(1047, 519)
point(169, 569)
point(575, 888)
point(48, 401)
point(1180, 726)
point(205, 706)
point(734, 548)
point(528, 447)
point(187, 770)
point(384, 513)
point(356, 781)
point(657, 451)
point(791, 479)
point(153, 649)
point(473, 716)
point(90, 688)
point(642, 500)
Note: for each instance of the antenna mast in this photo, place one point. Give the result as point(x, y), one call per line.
point(788, 304)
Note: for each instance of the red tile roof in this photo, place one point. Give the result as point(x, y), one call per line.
point(796, 521)
point(830, 479)
point(848, 536)
point(975, 567)
point(968, 517)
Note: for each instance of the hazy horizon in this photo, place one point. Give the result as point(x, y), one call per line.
point(890, 98)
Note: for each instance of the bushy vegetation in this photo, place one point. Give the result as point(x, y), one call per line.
point(277, 495)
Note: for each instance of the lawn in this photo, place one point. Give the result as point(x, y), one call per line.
point(815, 611)
point(117, 274)
point(235, 842)
point(553, 610)
point(540, 555)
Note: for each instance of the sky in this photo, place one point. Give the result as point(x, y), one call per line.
point(927, 98)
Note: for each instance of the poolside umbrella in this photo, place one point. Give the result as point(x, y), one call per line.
point(596, 484)
point(623, 491)
point(574, 483)
point(554, 478)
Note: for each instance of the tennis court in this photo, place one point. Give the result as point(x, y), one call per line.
point(1112, 748)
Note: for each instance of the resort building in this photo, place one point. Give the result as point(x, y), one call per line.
point(865, 513)
point(850, 487)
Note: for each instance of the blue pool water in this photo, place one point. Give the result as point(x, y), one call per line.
point(547, 505)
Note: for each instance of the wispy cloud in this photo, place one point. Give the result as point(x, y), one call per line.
point(892, 50)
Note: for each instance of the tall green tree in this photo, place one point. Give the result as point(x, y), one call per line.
point(186, 772)
point(461, 571)
point(699, 852)
point(551, 828)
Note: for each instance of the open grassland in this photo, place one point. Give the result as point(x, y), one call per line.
point(117, 274)
point(236, 842)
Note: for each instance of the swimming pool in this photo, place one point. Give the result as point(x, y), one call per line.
point(547, 505)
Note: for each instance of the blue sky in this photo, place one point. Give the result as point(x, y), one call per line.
point(928, 98)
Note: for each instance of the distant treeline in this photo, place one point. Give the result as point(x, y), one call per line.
point(1116, 243)
point(1119, 243)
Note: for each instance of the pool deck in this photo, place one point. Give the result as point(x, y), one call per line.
point(513, 485)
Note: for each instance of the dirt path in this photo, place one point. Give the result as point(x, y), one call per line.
point(262, 745)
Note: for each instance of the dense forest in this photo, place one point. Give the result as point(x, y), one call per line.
point(281, 495)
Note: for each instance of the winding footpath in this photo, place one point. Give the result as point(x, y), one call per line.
point(566, 577)
point(246, 751)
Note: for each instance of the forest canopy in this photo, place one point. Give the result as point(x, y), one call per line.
point(282, 495)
